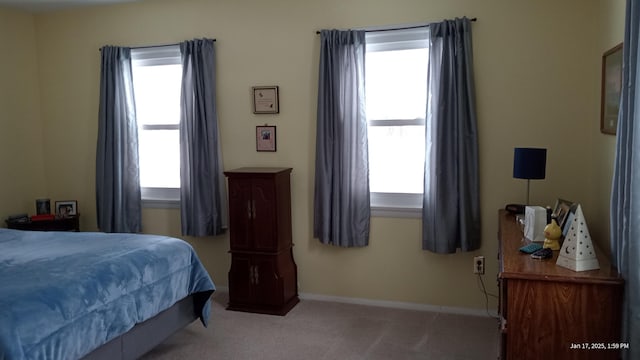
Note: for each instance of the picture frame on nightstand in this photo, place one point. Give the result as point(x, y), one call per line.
point(66, 208)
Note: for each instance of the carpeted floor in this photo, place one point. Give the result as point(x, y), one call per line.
point(329, 330)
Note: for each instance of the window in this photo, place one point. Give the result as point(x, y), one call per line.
point(396, 67)
point(157, 77)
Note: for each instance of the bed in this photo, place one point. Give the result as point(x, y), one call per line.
point(67, 295)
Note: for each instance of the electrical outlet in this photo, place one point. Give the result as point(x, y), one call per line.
point(478, 265)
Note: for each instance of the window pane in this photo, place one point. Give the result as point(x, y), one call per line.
point(157, 93)
point(396, 159)
point(396, 84)
point(159, 158)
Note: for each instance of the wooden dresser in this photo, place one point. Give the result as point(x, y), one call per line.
point(550, 312)
point(263, 275)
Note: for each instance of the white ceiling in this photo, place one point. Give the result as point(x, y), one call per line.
point(49, 5)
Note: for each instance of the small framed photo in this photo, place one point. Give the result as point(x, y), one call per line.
point(265, 138)
point(66, 208)
point(569, 219)
point(561, 210)
point(265, 100)
point(611, 89)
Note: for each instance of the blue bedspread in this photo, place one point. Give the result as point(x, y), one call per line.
point(64, 294)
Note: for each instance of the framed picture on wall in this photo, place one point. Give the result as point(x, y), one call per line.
point(265, 100)
point(611, 89)
point(265, 138)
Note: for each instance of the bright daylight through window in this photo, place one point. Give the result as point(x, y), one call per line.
point(396, 94)
point(157, 75)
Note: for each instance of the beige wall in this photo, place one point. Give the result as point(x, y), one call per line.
point(21, 148)
point(612, 25)
point(537, 66)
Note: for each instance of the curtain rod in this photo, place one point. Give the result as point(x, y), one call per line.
point(152, 46)
point(404, 28)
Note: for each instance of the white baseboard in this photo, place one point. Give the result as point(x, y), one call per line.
point(387, 304)
point(396, 305)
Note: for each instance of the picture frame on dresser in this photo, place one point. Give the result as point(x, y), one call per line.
point(561, 211)
point(66, 208)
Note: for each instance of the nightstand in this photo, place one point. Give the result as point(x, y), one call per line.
point(71, 223)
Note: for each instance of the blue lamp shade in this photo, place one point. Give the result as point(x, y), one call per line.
point(529, 163)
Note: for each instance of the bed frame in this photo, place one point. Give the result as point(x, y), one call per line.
point(148, 334)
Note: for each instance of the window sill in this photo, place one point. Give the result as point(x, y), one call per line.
point(396, 212)
point(160, 198)
point(160, 204)
point(396, 205)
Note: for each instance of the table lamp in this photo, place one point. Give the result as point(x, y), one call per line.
point(529, 163)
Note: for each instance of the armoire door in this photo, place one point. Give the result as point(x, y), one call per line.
point(241, 279)
point(240, 214)
point(267, 289)
point(264, 225)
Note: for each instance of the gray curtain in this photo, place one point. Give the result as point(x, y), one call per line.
point(202, 189)
point(117, 174)
point(451, 208)
point(341, 197)
point(625, 198)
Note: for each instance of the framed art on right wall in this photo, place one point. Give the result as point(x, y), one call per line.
point(611, 88)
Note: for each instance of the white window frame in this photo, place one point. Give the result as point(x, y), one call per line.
point(403, 205)
point(153, 197)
